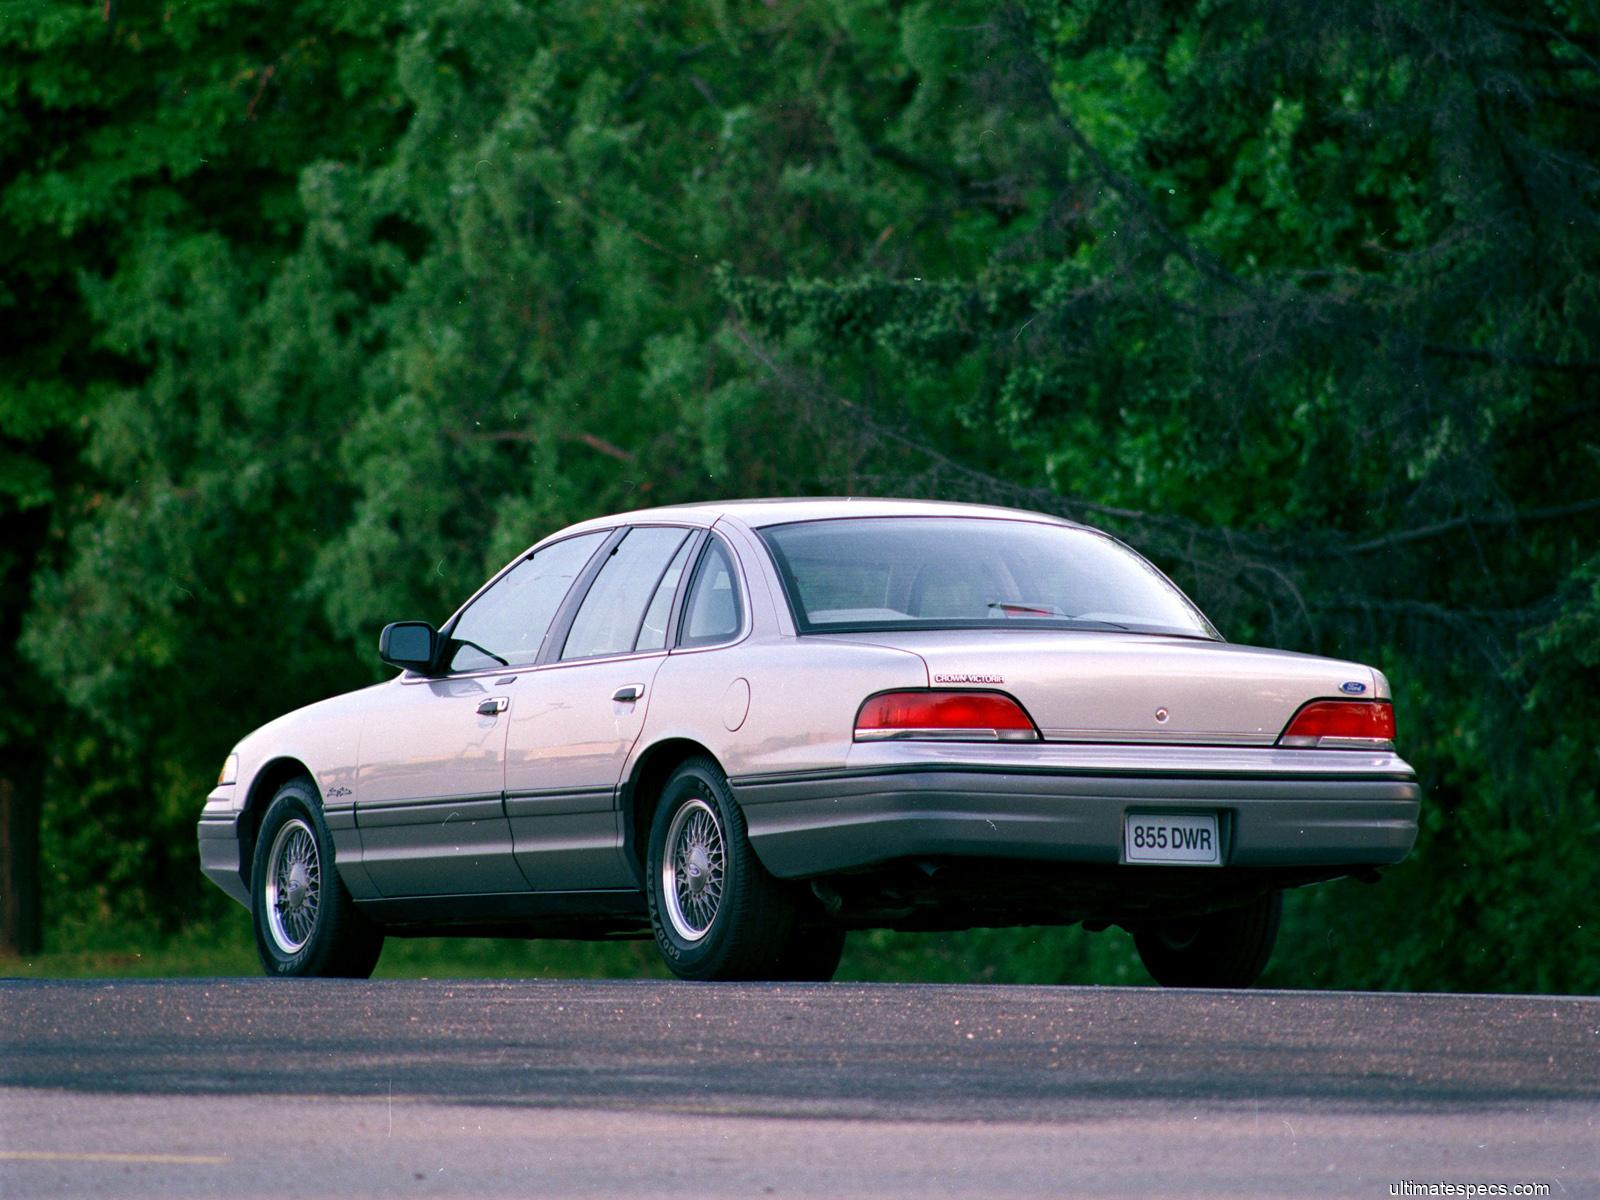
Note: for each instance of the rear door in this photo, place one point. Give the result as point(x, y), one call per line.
point(578, 715)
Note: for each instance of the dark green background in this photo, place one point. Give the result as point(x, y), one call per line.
point(315, 313)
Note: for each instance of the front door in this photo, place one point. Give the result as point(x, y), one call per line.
point(429, 806)
point(430, 803)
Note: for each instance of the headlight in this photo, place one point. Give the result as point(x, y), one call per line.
point(230, 771)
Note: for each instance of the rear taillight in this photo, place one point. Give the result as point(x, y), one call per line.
point(944, 716)
point(1351, 724)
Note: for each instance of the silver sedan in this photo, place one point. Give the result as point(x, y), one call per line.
point(746, 728)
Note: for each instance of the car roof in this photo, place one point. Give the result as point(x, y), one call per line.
point(780, 511)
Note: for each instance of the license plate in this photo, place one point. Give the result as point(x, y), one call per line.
point(1171, 838)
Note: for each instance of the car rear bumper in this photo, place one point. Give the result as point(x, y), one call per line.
point(1066, 804)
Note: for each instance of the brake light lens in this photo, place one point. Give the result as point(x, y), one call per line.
point(944, 716)
point(1352, 724)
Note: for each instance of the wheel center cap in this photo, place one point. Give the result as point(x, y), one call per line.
point(699, 869)
point(299, 885)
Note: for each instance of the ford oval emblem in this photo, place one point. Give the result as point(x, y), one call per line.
point(1353, 688)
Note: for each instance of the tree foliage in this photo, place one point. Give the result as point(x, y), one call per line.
point(318, 316)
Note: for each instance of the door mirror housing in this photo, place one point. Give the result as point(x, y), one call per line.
point(411, 645)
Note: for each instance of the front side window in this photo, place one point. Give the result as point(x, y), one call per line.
point(611, 617)
point(506, 625)
point(893, 573)
point(711, 613)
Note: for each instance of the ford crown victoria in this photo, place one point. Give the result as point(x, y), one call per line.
point(747, 728)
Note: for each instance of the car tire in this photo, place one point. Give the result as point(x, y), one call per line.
point(305, 921)
point(1226, 949)
point(715, 911)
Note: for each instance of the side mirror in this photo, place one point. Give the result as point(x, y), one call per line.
point(409, 644)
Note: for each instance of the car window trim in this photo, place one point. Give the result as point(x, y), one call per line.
point(447, 630)
point(680, 617)
point(698, 538)
point(561, 625)
point(681, 595)
point(550, 652)
point(685, 547)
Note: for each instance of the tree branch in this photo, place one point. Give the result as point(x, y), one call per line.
point(593, 441)
point(1244, 550)
point(1440, 528)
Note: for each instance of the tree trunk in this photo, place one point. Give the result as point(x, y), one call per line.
point(19, 870)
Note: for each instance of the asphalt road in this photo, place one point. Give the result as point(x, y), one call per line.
point(265, 1088)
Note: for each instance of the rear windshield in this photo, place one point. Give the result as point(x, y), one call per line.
point(892, 573)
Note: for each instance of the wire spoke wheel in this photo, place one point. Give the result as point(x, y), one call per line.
point(694, 869)
point(293, 886)
point(303, 916)
point(714, 910)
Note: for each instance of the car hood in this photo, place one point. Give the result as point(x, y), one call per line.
point(1083, 685)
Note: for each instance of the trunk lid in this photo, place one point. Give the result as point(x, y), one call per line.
point(1090, 686)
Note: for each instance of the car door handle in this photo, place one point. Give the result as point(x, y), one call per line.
point(632, 692)
point(493, 707)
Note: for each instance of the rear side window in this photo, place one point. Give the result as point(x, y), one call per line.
point(653, 630)
point(610, 619)
point(712, 612)
point(506, 625)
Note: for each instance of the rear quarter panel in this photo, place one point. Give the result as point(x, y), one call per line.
point(778, 704)
point(770, 701)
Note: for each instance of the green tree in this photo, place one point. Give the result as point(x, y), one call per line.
point(135, 146)
point(1303, 304)
point(334, 312)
